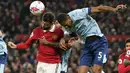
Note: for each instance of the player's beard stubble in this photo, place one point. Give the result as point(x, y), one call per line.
point(46, 27)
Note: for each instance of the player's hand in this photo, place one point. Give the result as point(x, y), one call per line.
point(126, 62)
point(63, 44)
point(120, 7)
point(11, 45)
point(43, 41)
point(71, 41)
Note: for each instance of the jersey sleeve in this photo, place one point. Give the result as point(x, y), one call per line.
point(29, 41)
point(79, 13)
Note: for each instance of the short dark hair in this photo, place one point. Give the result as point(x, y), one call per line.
point(61, 17)
point(48, 17)
point(127, 40)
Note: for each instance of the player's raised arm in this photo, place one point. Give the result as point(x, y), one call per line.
point(102, 8)
point(24, 45)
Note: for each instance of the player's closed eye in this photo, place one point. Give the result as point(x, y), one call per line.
point(64, 25)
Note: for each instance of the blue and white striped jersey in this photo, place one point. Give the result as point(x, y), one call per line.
point(83, 24)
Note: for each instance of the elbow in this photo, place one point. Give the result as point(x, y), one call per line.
point(97, 9)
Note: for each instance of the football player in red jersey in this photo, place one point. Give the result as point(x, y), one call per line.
point(124, 59)
point(48, 54)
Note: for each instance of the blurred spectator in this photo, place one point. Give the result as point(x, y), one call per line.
point(7, 70)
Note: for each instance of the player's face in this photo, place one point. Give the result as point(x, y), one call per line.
point(46, 25)
point(67, 22)
point(127, 46)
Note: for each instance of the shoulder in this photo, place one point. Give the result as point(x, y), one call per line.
point(122, 55)
point(73, 13)
point(59, 32)
point(57, 29)
point(86, 9)
point(36, 29)
point(58, 25)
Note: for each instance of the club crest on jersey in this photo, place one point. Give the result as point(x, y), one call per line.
point(54, 36)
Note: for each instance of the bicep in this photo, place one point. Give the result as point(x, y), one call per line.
point(25, 45)
point(97, 9)
point(94, 10)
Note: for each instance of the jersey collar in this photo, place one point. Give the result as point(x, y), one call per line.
point(52, 29)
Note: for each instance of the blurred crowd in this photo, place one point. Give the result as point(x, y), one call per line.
point(16, 19)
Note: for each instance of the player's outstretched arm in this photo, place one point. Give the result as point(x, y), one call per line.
point(18, 46)
point(24, 45)
point(102, 8)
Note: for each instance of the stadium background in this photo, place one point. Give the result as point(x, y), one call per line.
point(17, 22)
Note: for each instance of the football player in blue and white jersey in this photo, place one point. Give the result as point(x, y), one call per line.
point(95, 51)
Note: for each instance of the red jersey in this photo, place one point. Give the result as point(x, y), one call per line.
point(45, 53)
point(121, 66)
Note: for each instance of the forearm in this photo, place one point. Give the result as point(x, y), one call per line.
point(22, 46)
point(71, 35)
point(53, 44)
point(106, 8)
point(25, 45)
point(102, 8)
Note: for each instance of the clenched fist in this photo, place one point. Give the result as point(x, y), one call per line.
point(11, 45)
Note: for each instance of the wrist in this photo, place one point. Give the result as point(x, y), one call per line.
point(47, 43)
point(15, 46)
point(114, 9)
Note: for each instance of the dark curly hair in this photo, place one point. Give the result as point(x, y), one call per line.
point(48, 17)
point(61, 17)
point(127, 40)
